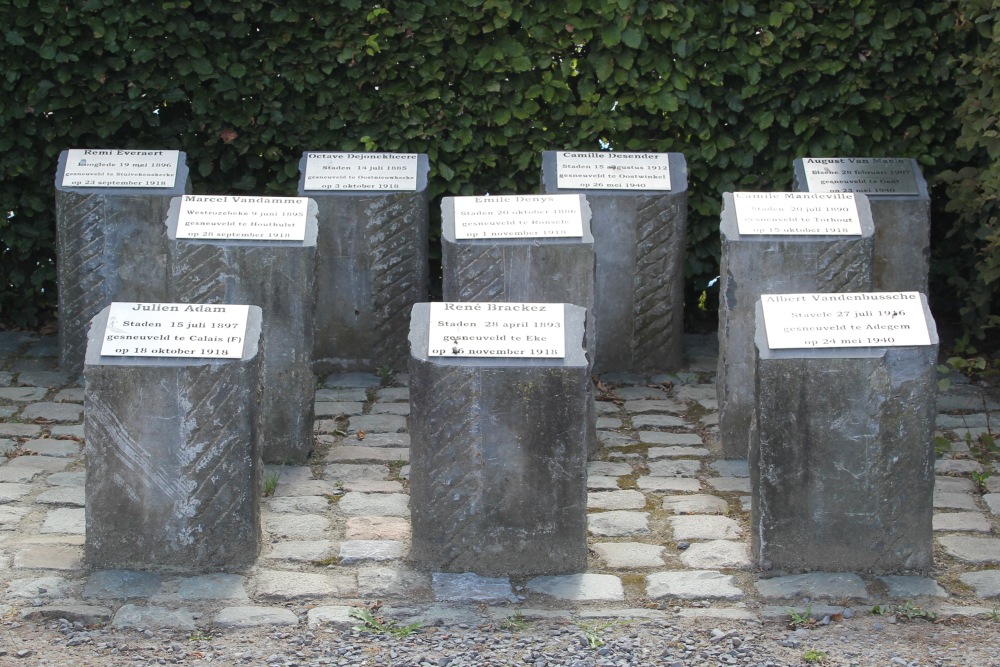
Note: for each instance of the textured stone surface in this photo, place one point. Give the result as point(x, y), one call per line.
point(755, 264)
point(469, 587)
point(630, 554)
point(249, 616)
point(173, 473)
point(978, 550)
point(74, 613)
point(695, 504)
point(52, 447)
point(639, 239)
point(579, 587)
point(393, 580)
point(912, 587)
point(297, 526)
point(827, 585)
point(986, 583)
point(374, 504)
point(677, 468)
point(377, 528)
point(360, 551)
point(618, 523)
point(64, 521)
point(279, 584)
point(371, 268)
point(672, 439)
point(142, 617)
point(647, 483)
point(700, 527)
point(961, 522)
point(49, 557)
point(616, 500)
point(303, 551)
point(52, 412)
point(122, 585)
point(855, 469)
point(716, 554)
point(498, 467)
point(694, 585)
point(676, 452)
point(337, 616)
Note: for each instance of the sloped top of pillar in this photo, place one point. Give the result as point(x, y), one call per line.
point(575, 344)
point(448, 228)
point(676, 162)
point(311, 231)
point(95, 337)
point(881, 178)
point(112, 156)
point(729, 229)
point(368, 184)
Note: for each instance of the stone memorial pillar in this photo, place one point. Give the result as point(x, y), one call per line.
point(498, 477)
point(754, 264)
point(173, 457)
point(639, 223)
point(901, 209)
point(842, 466)
point(110, 241)
point(277, 275)
point(372, 254)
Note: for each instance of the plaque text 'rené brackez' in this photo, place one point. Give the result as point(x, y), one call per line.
point(175, 330)
point(856, 319)
point(221, 217)
point(871, 176)
point(111, 168)
point(611, 170)
point(518, 216)
point(794, 213)
point(361, 171)
point(473, 329)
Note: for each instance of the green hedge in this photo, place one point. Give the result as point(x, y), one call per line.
point(244, 87)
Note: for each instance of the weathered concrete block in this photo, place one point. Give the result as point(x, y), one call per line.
point(524, 270)
point(498, 477)
point(371, 268)
point(111, 246)
point(842, 468)
point(173, 458)
point(901, 260)
point(280, 277)
point(639, 241)
point(755, 264)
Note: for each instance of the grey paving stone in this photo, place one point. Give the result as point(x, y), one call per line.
point(377, 424)
point(912, 587)
point(814, 611)
point(331, 616)
point(352, 381)
point(48, 588)
point(578, 587)
point(373, 486)
point(732, 484)
point(986, 583)
point(153, 618)
point(298, 505)
point(23, 394)
point(46, 463)
point(74, 431)
point(392, 394)
point(52, 447)
point(961, 522)
point(953, 485)
point(43, 379)
point(336, 395)
point(639, 394)
point(74, 613)
point(659, 421)
point(655, 405)
point(402, 409)
point(727, 613)
point(655, 453)
point(615, 440)
point(11, 430)
point(11, 517)
point(977, 550)
point(731, 468)
point(336, 408)
point(8, 411)
point(325, 428)
point(700, 503)
point(393, 580)
point(692, 585)
point(606, 408)
point(12, 492)
point(961, 467)
point(599, 483)
point(698, 393)
point(949, 422)
point(630, 554)
point(826, 585)
point(746, 503)
point(122, 585)
point(303, 551)
point(717, 554)
point(375, 504)
point(283, 585)
point(312, 487)
point(363, 551)
point(71, 395)
point(469, 587)
point(215, 586)
point(609, 423)
point(618, 524)
point(993, 484)
point(954, 501)
point(647, 483)
point(992, 501)
point(49, 557)
point(711, 420)
point(701, 527)
point(608, 468)
point(672, 439)
point(62, 495)
point(250, 617)
point(289, 474)
point(297, 526)
point(377, 528)
point(400, 440)
point(56, 412)
point(616, 500)
point(356, 454)
point(963, 398)
point(348, 471)
point(6, 378)
point(64, 520)
point(676, 468)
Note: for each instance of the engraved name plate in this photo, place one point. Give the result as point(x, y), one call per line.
point(175, 330)
point(518, 216)
point(220, 217)
point(360, 171)
point(474, 329)
point(795, 213)
point(873, 176)
point(611, 170)
point(103, 168)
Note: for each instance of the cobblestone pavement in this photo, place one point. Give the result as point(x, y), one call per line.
point(668, 520)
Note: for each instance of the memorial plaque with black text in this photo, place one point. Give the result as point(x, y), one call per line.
point(872, 176)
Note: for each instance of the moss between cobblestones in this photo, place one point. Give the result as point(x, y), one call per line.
point(629, 482)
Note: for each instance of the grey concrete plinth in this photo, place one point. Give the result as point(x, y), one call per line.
point(280, 277)
point(111, 246)
point(173, 459)
point(371, 268)
point(902, 235)
point(842, 468)
point(498, 477)
point(639, 241)
point(756, 264)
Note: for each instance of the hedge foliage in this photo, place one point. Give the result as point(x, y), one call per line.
point(483, 87)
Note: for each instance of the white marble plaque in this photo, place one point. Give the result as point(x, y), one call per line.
point(175, 330)
point(871, 176)
point(518, 216)
point(797, 213)
point(220, 217)
point(474, 329)
point(856, 319)
point(111, 168)
point(360, 171)
point(611, 170)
